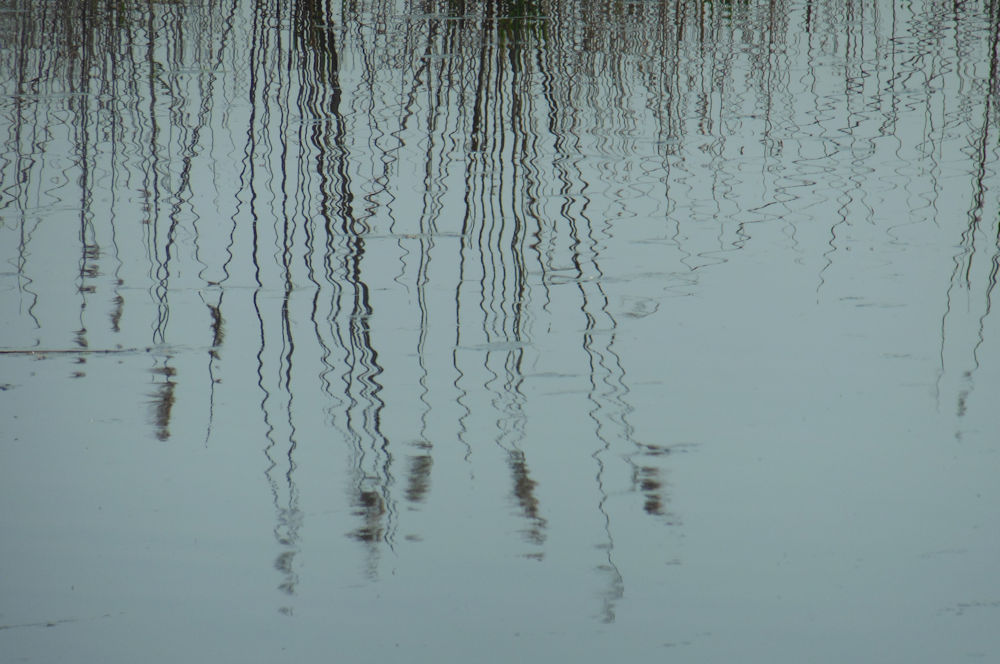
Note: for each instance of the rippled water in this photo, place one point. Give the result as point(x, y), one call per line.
point(540, 331)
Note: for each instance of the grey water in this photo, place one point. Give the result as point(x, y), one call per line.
point(551, 330)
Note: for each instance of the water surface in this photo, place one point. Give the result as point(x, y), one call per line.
point(542, 331)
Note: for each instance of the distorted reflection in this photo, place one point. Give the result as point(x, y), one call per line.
point(163, 399)
point(438, 220)
point(419, 477)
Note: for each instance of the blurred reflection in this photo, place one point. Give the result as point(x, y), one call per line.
point(163, 399)
point(419, 477)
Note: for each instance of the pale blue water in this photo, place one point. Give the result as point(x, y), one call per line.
point(554, 331)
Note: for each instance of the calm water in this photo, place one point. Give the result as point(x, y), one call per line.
point(491, 332)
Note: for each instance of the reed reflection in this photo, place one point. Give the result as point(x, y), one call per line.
point(969, 296)
point(163, 399)
point(418, 209)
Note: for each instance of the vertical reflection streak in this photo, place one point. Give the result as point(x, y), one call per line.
point(151, 184)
